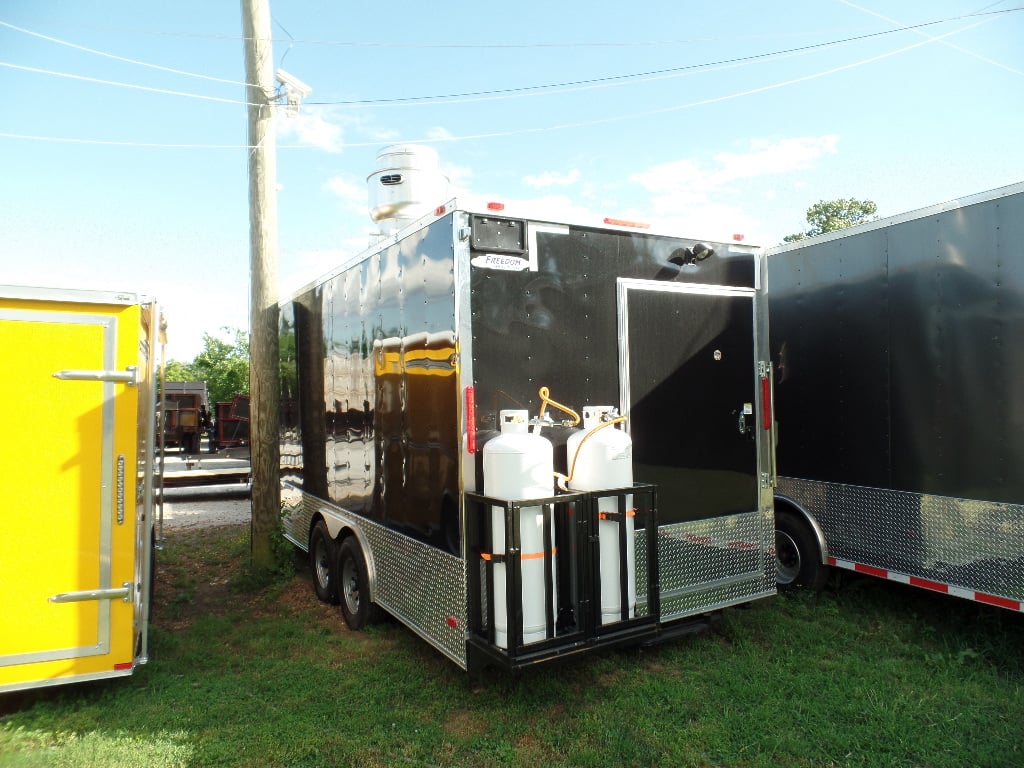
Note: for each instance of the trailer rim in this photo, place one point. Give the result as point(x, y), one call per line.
point(321, 558)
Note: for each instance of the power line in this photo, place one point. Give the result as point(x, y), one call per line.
point(115, 57)
point(489, 94)
point(954, 46)
point(612, 79)
point(133, 86)
point(545, 129)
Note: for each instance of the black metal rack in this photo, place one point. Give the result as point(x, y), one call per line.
point(573, 584)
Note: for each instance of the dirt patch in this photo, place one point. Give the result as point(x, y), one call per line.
point(465, 723)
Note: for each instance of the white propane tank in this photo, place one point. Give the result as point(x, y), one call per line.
point(519, 465)
point(602, 459)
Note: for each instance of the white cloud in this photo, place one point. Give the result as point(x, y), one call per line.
point(353, 195)
point(694, 179)
point(700, 196)
point(439, 133)
point(311, 128)
point(767, 158)
point(551, 179)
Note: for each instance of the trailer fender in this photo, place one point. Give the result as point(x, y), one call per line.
point(801, 549)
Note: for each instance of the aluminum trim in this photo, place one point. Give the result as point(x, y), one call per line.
point(68, 295)
point(56, 654)
point(65, 680)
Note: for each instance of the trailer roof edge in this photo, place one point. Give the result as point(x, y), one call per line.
point(76, 295)
point(899, 218)
point(513, 212)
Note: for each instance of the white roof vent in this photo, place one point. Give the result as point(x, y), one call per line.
point(407, 184)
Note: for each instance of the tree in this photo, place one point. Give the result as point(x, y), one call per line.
point(831, 215)
point(223, 365)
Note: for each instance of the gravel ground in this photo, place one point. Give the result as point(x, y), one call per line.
point(190, 508)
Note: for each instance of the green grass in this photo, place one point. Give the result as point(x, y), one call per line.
point(870, 674)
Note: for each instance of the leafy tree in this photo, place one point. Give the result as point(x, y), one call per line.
point(830, 215)
point(223, 365)
point(178, 371)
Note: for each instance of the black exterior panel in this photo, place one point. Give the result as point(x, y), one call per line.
point(898, 355)
point(557, 327)
point(378, 390)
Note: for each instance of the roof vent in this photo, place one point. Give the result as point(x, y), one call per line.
point(407, 184)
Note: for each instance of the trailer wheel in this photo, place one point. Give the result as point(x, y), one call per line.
point(322, 557)
point(797, 556)
point(354, 578)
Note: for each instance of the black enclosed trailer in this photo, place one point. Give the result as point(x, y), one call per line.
point(899, 366)
point(398, 366)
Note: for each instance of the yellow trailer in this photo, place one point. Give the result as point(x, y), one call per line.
point(77, 499)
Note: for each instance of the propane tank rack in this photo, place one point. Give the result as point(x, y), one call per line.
point(571, 575)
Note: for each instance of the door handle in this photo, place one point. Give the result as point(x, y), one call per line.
point(124, 592)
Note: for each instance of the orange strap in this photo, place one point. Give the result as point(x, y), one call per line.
point(606, 515)
point(531, 556)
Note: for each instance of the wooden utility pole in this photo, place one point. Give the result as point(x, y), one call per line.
point(264, 383)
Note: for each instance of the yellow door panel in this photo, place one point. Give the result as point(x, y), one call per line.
point(69, 526)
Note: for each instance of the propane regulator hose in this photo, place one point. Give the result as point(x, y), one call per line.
point(545, 401)
point(563, 480)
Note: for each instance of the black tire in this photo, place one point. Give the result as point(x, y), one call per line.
point(797, 554)
point(353, 581)
point(323, 563)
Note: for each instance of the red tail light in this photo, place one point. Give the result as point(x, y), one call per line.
point(470, 420)
point(766, 402)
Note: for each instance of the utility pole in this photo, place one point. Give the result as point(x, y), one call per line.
point(264, 383)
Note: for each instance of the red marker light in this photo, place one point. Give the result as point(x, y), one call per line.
point(738, 238)
point(439, 211)
point(495, 206)
point(625, 223)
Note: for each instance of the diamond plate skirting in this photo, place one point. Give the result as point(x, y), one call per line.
point(709, 564)
point(977, 545)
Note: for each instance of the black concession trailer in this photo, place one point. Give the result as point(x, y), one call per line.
point(434, 464)
point(899, 366)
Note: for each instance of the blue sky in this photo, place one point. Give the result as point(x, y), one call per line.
point(123, 129)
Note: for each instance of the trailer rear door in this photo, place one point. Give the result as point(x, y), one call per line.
point(688, 384)
point(68, 553)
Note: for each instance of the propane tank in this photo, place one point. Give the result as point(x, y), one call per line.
point(519, 465)
point(601, 458)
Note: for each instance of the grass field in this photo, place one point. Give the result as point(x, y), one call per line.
point(868, 674)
